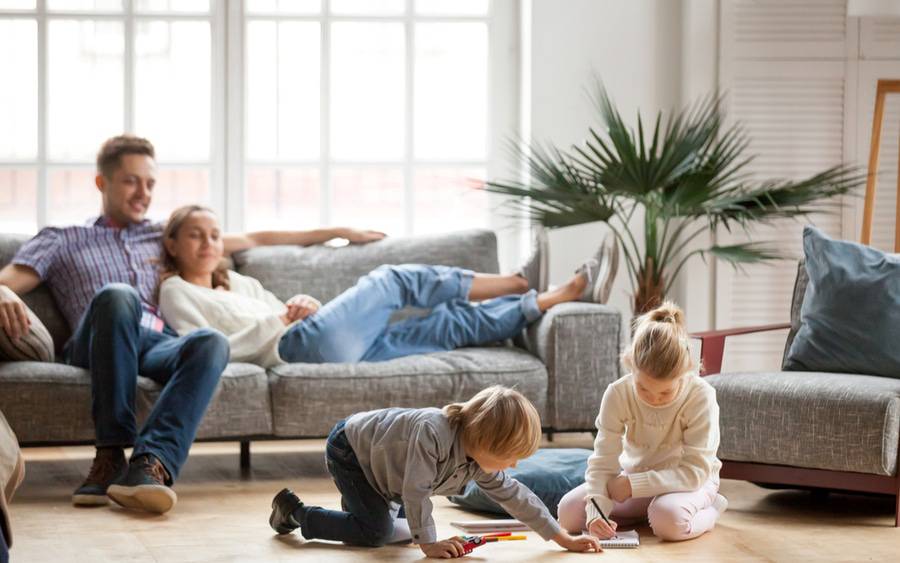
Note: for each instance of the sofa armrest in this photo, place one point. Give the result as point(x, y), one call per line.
point(580, 344)
point(712, 344)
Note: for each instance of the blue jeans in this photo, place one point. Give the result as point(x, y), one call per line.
point(367, 518)
point(4, 549)
point(355, 325)
point(112, 344)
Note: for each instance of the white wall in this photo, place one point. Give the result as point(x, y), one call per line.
point(635, 47)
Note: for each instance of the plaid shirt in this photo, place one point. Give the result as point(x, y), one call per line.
point(77, 261)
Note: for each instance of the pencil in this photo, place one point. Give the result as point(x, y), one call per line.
point(597, 506)
point(506, 538)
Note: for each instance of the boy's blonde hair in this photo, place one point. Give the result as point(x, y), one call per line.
point(660, 344)
point(498, 421)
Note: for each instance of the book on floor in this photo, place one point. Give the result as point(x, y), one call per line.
point(488, 526)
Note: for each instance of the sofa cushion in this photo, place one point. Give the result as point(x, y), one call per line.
point(40, 301)
point(797, 296)
point(850, 318)
point(816, 420)
point(46, 402)
point(240, 406)
point(308, 399)
point(324, 272)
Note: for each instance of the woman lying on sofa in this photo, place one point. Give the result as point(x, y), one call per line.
point(197, 291)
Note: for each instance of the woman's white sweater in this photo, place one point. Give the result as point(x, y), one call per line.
point(661, 449)
point(247, 314)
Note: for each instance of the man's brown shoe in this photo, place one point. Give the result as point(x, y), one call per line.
point(109, 465)
point(144, 487)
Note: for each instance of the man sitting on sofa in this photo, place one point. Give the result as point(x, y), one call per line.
point(104, 277)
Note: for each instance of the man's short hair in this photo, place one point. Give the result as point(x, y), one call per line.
point(109, 159)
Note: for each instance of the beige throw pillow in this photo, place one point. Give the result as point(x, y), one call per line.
point(36, 346)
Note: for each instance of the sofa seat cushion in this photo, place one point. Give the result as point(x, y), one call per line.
point(46, 402)
point(816, 420)
point(308, 399)
point(240, 406)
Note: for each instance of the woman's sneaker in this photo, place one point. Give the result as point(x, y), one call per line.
point(109, 466)
point(536, 268)
point(144, 487)
point(283, 506)
point(608, 258)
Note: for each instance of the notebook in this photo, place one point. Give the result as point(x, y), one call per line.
point(488, 526)
point(622, 540)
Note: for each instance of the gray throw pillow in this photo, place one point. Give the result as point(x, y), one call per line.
point(549, 474)
point(36, 346)
point(850, 318)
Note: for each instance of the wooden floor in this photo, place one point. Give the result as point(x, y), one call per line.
point(222, 516)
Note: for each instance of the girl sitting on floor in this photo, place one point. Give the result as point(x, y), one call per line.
point(657, 436)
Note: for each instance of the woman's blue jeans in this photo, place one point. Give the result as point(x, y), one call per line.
point(355, 326)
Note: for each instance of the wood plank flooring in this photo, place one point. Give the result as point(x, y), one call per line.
point(222, 516)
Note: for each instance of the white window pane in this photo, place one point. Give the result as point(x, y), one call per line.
point(283, 6)
point(172, 5)
point(17, 4)
point(449, 199)
point(85, 5)
point(18, 200)
point(368, 7)
point(73, 196)
point(367, 92)
point(18, 95)
point(283, 90)
point(282, 198)
point(451, 91)
point(368, 198)
point(176, 187)
point(452, 7)
point(84, 87)
point(172, 88)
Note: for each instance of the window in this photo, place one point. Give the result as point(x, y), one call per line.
point(79, 71)
point(383, 114)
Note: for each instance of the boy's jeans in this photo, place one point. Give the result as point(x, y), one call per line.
point(367, 518)
point(355, 325)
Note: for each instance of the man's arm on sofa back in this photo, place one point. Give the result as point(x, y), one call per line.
point(580, 345)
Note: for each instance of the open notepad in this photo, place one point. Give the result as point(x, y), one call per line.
point(622, 540)
point(488, 526)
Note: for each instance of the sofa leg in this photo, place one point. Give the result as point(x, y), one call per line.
point(549, 436)
point(897, 510)
point(245, 455)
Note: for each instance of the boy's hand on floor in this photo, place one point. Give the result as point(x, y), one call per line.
point(600, 529)
point(619, 488)
point(446, 549)
point(578, 543)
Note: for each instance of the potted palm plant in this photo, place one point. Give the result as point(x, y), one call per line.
point(688, 176)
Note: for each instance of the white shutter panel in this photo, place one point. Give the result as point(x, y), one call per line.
point(884, 217)
point(783, 29)
point(793, 111)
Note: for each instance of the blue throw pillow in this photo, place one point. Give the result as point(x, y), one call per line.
point(850, 318)
point(549, 473)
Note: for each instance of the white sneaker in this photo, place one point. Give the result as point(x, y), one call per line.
point(537, 268)
point(608, 258)
point(720, 504)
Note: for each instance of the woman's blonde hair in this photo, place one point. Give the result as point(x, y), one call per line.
point(660, 344)
point(498, 421)
point(167, 265)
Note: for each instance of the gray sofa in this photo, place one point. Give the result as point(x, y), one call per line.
point(809, 429)
point(563, 362)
